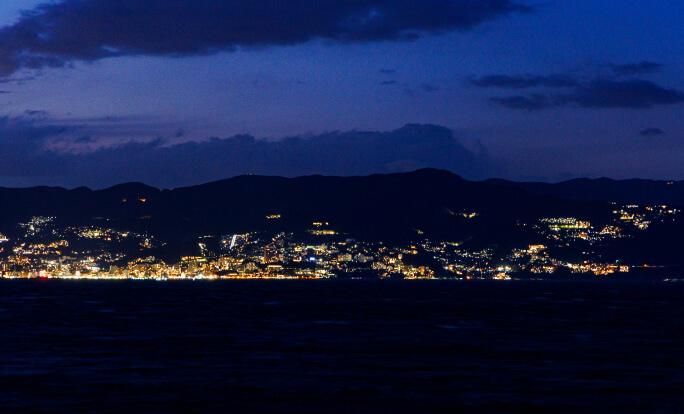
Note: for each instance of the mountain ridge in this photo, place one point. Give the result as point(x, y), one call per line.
point(631, 191)
point(636, 190)
point(395, 208)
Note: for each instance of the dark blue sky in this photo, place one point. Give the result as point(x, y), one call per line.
point(177, 92)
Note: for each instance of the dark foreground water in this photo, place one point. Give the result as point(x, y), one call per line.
point(340, 346)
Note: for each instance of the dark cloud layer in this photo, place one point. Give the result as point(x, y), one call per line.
point(426, 87)
point(625, 94)
point(53, 34)
point(651, 132)
point(340, 153)
point(601, 93)
point(523, 82)
point(21, 144)
point(532, 102)
point(559, 90)
point(14, 80)
point(632, 69)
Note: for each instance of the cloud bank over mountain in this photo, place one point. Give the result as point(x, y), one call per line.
point(157, 163)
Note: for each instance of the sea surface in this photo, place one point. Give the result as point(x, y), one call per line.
point(341, 346)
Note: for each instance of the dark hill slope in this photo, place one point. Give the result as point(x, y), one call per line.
point(393, 206)
point(640, 192)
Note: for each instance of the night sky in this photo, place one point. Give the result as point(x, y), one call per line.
point(180, 92)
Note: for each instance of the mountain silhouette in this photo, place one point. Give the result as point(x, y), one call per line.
point(404, 207)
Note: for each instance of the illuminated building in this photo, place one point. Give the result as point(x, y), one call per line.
point(270, 254)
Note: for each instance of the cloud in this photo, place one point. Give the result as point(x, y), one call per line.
point(429, 88)
point(23, 153)
point(601, 93)
point(578, 90)
point(112, 130)
point(53, 34)
point(625, 94)
point(84, 140)
point(651, 132)
point(15, 80)
point(34, 113)
point(19, 129)
point(532, 102)
point(160, 164)
point(523, 82)
point(631, 69)
point(408, 91)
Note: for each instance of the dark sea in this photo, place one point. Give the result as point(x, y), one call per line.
point(341, 346)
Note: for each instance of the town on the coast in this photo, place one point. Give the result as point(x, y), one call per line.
point(567, 246)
